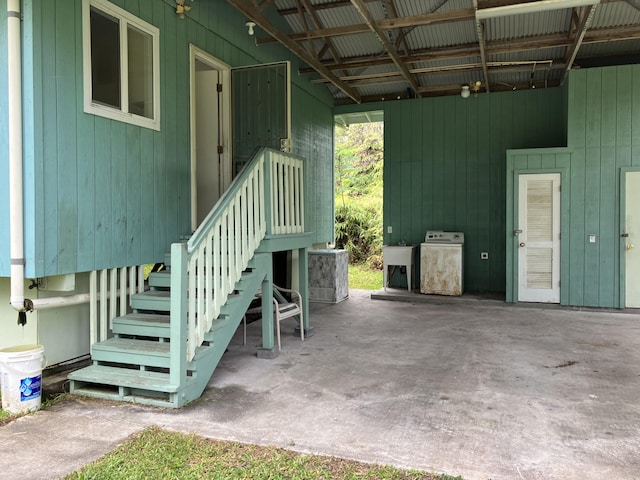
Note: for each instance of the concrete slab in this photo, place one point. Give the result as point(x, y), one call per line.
point(471, 388)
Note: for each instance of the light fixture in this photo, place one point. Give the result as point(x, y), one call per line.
point(250, 26)
point(182, 7)
point(531, 7)
point(465, 92)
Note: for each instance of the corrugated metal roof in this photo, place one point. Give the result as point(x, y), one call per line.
point(441, 44)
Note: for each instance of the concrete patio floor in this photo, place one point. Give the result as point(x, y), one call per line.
point(468, 387)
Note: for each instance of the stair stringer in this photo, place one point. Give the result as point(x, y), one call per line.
point(208, 357)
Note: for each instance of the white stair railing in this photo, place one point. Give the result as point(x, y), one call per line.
point(110, 292)
point(221, 248)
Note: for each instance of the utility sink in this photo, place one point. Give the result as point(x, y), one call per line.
point(398, 255)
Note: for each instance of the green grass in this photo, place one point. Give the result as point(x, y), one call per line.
point(363, 278)
point(157, 453)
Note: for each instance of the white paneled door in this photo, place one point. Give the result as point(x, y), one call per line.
point(539, 238)
point(631, 237)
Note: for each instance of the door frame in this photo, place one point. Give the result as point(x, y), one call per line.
point(196, 53)
point(512, 260)
point(551, 295)
point(621, 242)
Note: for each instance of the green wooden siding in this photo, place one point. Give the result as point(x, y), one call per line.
point(604, 135)
point(445, 169)
point(603, 125)
point(547, 160)
point(101, 193)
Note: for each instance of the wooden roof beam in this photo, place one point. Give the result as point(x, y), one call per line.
point(572, 51)
point(601, 35)
point(244, 7)
point(391, 49)
point(481, 43)
point(401, 22)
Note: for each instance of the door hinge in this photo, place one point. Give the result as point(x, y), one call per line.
point(219, 87)
point(220, 149)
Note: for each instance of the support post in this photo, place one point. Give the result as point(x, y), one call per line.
point(303, 285)
point(178, 326)
point(268, 349)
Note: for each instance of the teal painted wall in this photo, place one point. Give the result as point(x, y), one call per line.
point(604, 134)
point(603, 125)
point(445, 169)
point(100, 193)
point(544, 160)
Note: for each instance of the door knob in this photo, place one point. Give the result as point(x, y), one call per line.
point(629, 246)
point(522, 244)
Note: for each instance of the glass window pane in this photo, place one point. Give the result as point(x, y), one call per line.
point(140, 72)
point(105, 59)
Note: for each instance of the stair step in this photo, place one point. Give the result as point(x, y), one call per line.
point(132, 351)
point(154, 300)
point(143, 324)
point(161, 279)
point(125, 377)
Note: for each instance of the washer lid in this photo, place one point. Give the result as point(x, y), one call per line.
point(436, 236)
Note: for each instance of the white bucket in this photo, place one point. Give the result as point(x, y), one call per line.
point(21, 375)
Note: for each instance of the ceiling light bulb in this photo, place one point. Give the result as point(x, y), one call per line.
point(250, 26)
point(464, 93)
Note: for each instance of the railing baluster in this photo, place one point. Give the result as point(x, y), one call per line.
point(93, 307)
point(221, 248)
point(104, 315)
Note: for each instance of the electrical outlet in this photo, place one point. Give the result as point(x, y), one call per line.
point(389, 229)
point(484, 256)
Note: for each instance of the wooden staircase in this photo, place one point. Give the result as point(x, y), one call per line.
point(135, 364)
point(165, 351)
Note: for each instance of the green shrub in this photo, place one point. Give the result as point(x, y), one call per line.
point(358, 231)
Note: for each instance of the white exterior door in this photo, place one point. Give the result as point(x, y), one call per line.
point(539, 239)
point(632, 237)
point(210, 133)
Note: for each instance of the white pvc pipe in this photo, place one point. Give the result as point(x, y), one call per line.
point(16, 206)
point(16, 202)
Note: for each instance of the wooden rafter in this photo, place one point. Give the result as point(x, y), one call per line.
point(391, 49)
point(572, 51)
point(266, 25)
point(537, 42)
point(413, 21)
point(426, 66)
point(481, 44)
point(318, 24)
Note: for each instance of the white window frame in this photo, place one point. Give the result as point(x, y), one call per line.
point(121, 114)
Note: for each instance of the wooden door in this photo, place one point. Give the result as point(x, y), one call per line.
point(539, 238)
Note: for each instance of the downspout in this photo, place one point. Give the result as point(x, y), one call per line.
point(16, 198)
point(16, 205)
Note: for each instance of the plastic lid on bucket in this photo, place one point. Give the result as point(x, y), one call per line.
point(20, 348)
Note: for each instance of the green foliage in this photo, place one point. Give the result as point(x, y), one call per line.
point(358, 231)
point(359, 161)
point(358, 170)
point(157, 453)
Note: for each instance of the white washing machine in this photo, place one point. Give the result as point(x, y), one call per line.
point(442, 263)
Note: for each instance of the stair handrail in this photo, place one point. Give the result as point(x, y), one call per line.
point(225, 242)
